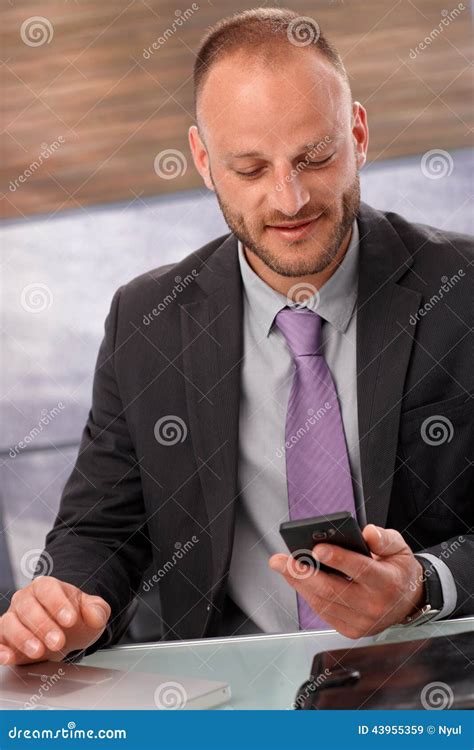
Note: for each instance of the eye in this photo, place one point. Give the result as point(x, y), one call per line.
point(317, 163)
point(250, 174)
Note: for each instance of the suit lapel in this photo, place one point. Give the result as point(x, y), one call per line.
point(211, 329)
point(384, 343)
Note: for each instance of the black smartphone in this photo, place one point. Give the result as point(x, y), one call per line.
point(337, 528)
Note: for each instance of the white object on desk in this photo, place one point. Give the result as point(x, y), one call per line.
point(57, 685)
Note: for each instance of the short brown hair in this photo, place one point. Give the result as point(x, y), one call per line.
point(266, 32)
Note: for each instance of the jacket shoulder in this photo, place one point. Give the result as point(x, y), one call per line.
point(423, 240)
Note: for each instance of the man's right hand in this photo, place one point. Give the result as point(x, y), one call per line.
point(48, 619)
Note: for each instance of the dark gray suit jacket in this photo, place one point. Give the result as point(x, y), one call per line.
point(173, 346)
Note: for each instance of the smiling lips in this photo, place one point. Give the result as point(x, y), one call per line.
point(294, 231)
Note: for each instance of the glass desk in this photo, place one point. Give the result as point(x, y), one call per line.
point(264, 671)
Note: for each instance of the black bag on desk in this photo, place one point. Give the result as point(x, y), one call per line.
point(433, 673)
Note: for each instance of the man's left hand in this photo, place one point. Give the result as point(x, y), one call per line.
point(384, 589)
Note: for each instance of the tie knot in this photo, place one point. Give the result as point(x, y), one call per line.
point(302, 330)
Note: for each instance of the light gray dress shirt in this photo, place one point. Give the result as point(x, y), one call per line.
point(266, 377)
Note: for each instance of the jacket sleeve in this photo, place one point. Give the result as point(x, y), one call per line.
point(99, 540)
point(453, 563)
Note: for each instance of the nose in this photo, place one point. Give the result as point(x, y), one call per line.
point(290, 194)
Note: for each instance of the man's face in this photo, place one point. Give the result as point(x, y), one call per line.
point(310, 142)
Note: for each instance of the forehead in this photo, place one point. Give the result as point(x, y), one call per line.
point(247, 105)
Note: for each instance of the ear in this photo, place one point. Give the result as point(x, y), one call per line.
point(360, 132)
point(200, 155)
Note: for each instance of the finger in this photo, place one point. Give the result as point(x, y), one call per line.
point(19, 638)
point(35, 617)
point(358, 567)
point(95, 611)
point(384, 542)
point(7, 656)
point(60, 600)
point(331, 610)
point(317, 583)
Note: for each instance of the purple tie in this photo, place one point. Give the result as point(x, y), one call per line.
point(317, 466)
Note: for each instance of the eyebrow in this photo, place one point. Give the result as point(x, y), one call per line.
point(300, 150)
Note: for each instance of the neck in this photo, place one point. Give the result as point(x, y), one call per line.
point(283, 284)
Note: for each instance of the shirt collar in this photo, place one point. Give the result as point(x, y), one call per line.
point(337, 296)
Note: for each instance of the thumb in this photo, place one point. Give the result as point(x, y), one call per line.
point(384, 542)
point(95, 611)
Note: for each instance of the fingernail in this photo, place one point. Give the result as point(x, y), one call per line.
point(32, 646)
point(65, 616)
point(100, 614)
point(4, 656)
point(53, 638)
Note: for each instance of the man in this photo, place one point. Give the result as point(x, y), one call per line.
point(275, 373)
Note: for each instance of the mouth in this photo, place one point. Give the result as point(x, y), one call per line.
point(298, 230)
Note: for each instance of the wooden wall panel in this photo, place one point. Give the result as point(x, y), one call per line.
point(92, 113)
